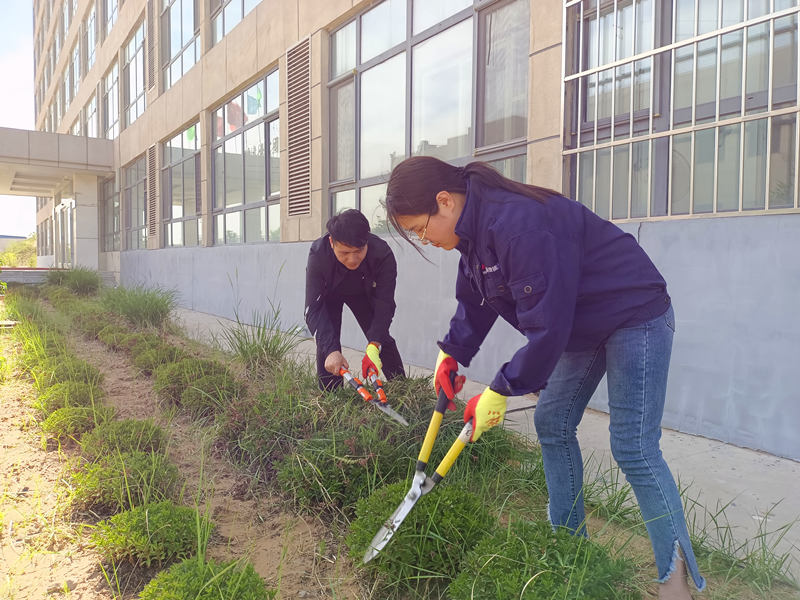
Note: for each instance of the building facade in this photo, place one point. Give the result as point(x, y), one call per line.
point(237, 127)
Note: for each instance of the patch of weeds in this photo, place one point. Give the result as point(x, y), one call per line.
point(210, 393)
point(196, 579)
point(123, 481)
point(113, 336)
point(91, 323)
point(173, 378)
point(529, 561)
point(148, 361)
point(70, 394)
point(136, 343)
point(74, 420)
point(60, 369)
point(156, 533)
point(142, 306)
point(425, 554)
point(124, 436)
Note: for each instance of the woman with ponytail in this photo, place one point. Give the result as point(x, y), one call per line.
point(589, 301)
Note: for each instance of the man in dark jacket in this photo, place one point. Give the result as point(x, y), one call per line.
point(349, 265)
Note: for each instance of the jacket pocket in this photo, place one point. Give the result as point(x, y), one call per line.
point(495, 284)
point(528, 293)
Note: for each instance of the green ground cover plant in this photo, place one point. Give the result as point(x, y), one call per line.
point(142, 306)
point(149, 360)
point(74, 420)
point(172, 379)
point(113, 336)
point(128, 435)
point(210, 394)
point(196, 579)
point(151, 534)
point(68, 394)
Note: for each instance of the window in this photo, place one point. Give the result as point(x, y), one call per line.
point(75, 69)
point(110, 14)
point(226, 14)
point(180, 189)
point(110, 215)
point(111, 104)
point(90, 39)
point(389, 68)
point(245, 167)
point(133, 77)
point(180, 31)
point(721, 135)
point(136, 205)
point(76, 128)
point(90, 114)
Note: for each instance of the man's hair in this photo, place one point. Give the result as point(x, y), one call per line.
point(349, 227)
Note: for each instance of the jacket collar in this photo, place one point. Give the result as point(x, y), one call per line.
point(467, 224)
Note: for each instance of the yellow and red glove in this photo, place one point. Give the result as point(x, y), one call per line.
point(372, 358)
point(446, 364)
point(487, 410)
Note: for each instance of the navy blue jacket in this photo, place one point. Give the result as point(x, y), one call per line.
point(560, 274)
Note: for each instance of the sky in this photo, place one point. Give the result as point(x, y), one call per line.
point(17, 213)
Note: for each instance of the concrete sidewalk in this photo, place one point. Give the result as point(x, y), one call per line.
point(763, 490)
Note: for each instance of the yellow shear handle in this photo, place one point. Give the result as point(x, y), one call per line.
point(452, 454)
point(430, 438)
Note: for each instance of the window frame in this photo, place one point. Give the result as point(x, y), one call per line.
point(126, 211)
point(217, 11)
point(110, 201)
point(110, 99)
point(165, 172)
point(166, 38)
point(137, 59)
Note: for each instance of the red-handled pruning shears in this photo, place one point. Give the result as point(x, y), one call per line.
point(381, 402)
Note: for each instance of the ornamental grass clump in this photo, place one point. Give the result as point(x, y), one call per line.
point(151, 534)
point(74, 420)
point(69, 394)
point(426, 552)
point(529, 561)
point(142, 306)
point(149, 360)
point(210, 394)
point(63, 368)
point(123, 481)
point(83, 281)
point(113, 336)
point(125, 436)
point(173, 378)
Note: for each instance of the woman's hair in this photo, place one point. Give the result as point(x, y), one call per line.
point(414, 183)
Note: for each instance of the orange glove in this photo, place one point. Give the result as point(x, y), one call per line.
point(446, 364)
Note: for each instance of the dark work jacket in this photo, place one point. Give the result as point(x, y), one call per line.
point(322, 277)
point(560, 274)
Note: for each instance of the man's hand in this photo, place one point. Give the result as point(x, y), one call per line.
point(446, 364)
point(372, 358)
point(487, 410)
point(334, 362)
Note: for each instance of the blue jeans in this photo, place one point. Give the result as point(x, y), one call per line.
point(637, 362)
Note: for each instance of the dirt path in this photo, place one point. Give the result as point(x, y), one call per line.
point(40, 549)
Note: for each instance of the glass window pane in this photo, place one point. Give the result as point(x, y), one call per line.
point(505, 58)
point(784, 67)
point(235, 115)
point(590, 40)
point(732, 12)
point(343, 201)
point(254, 227)
point(233, 228)
point(640, 179)
point(382, 28)
point(684, 19)
point(619, 197)
point(343, 50)
point(250, 5)
point(728, 168)
point(175, 29)
point(372, 208)
point(754, 186)
point(757, 80)
point(586, 179)
point(216, 29)
point(704, 159)
point(781, 161)
point(707, 17)
point(219, 177)
point(190, 233)
point(757, 8)
point(428, 13)
point(681, 173)
point(440, 122)
point(274, 157)
point(784, 4)
point(603, 183)
point(177, 191)
point(731, 67)
point(254, 102)
point(644, 29)
point(189, 188)
point(343, 131)
point(176, 234)
point(273, 98)
point(642, 70)
point(622, 102)
point(219, 229)
point(218, 123)
point(625, 29)
point(684, 86)
point(607, 35)
point(233, 171)
point(255, 165)
point(706, 92)
point(514, 168)
point(274, 222)
point(383, 109)
point(233, 15)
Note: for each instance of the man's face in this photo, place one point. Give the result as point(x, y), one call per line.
point(347, 255)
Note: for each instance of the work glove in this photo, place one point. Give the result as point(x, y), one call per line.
point(487, 410)
point(446, 364)
point(372, 358)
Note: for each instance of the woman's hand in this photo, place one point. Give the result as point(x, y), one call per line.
point(446, 364)
point(487, 410)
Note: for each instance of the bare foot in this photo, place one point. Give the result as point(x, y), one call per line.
point(677, 586)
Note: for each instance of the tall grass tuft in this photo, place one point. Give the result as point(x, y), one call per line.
point(142, 306)
point(83, 281)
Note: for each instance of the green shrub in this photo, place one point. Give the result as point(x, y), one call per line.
point(59, 369)
point(70, 394)
point(144, 307)
point(148, 360)
point(173, 378)
point(123, 481)
point(72, 420)
point(210, 393)
point(194, 579)
point(429, 546)
point(56, 276)
point(528, 561)
point(128, 435)
point(136, 343)
point(113, 336)
point(83, 281)
point(155, 533)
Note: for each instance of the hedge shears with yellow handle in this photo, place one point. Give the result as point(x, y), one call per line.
point(422, 484)
point(381, 401)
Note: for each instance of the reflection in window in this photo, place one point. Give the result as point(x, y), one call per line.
point(180, 27)
point(382, 138)
point(133, 77)
point(180, 188)
point(227, 14)
point(111, 104)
